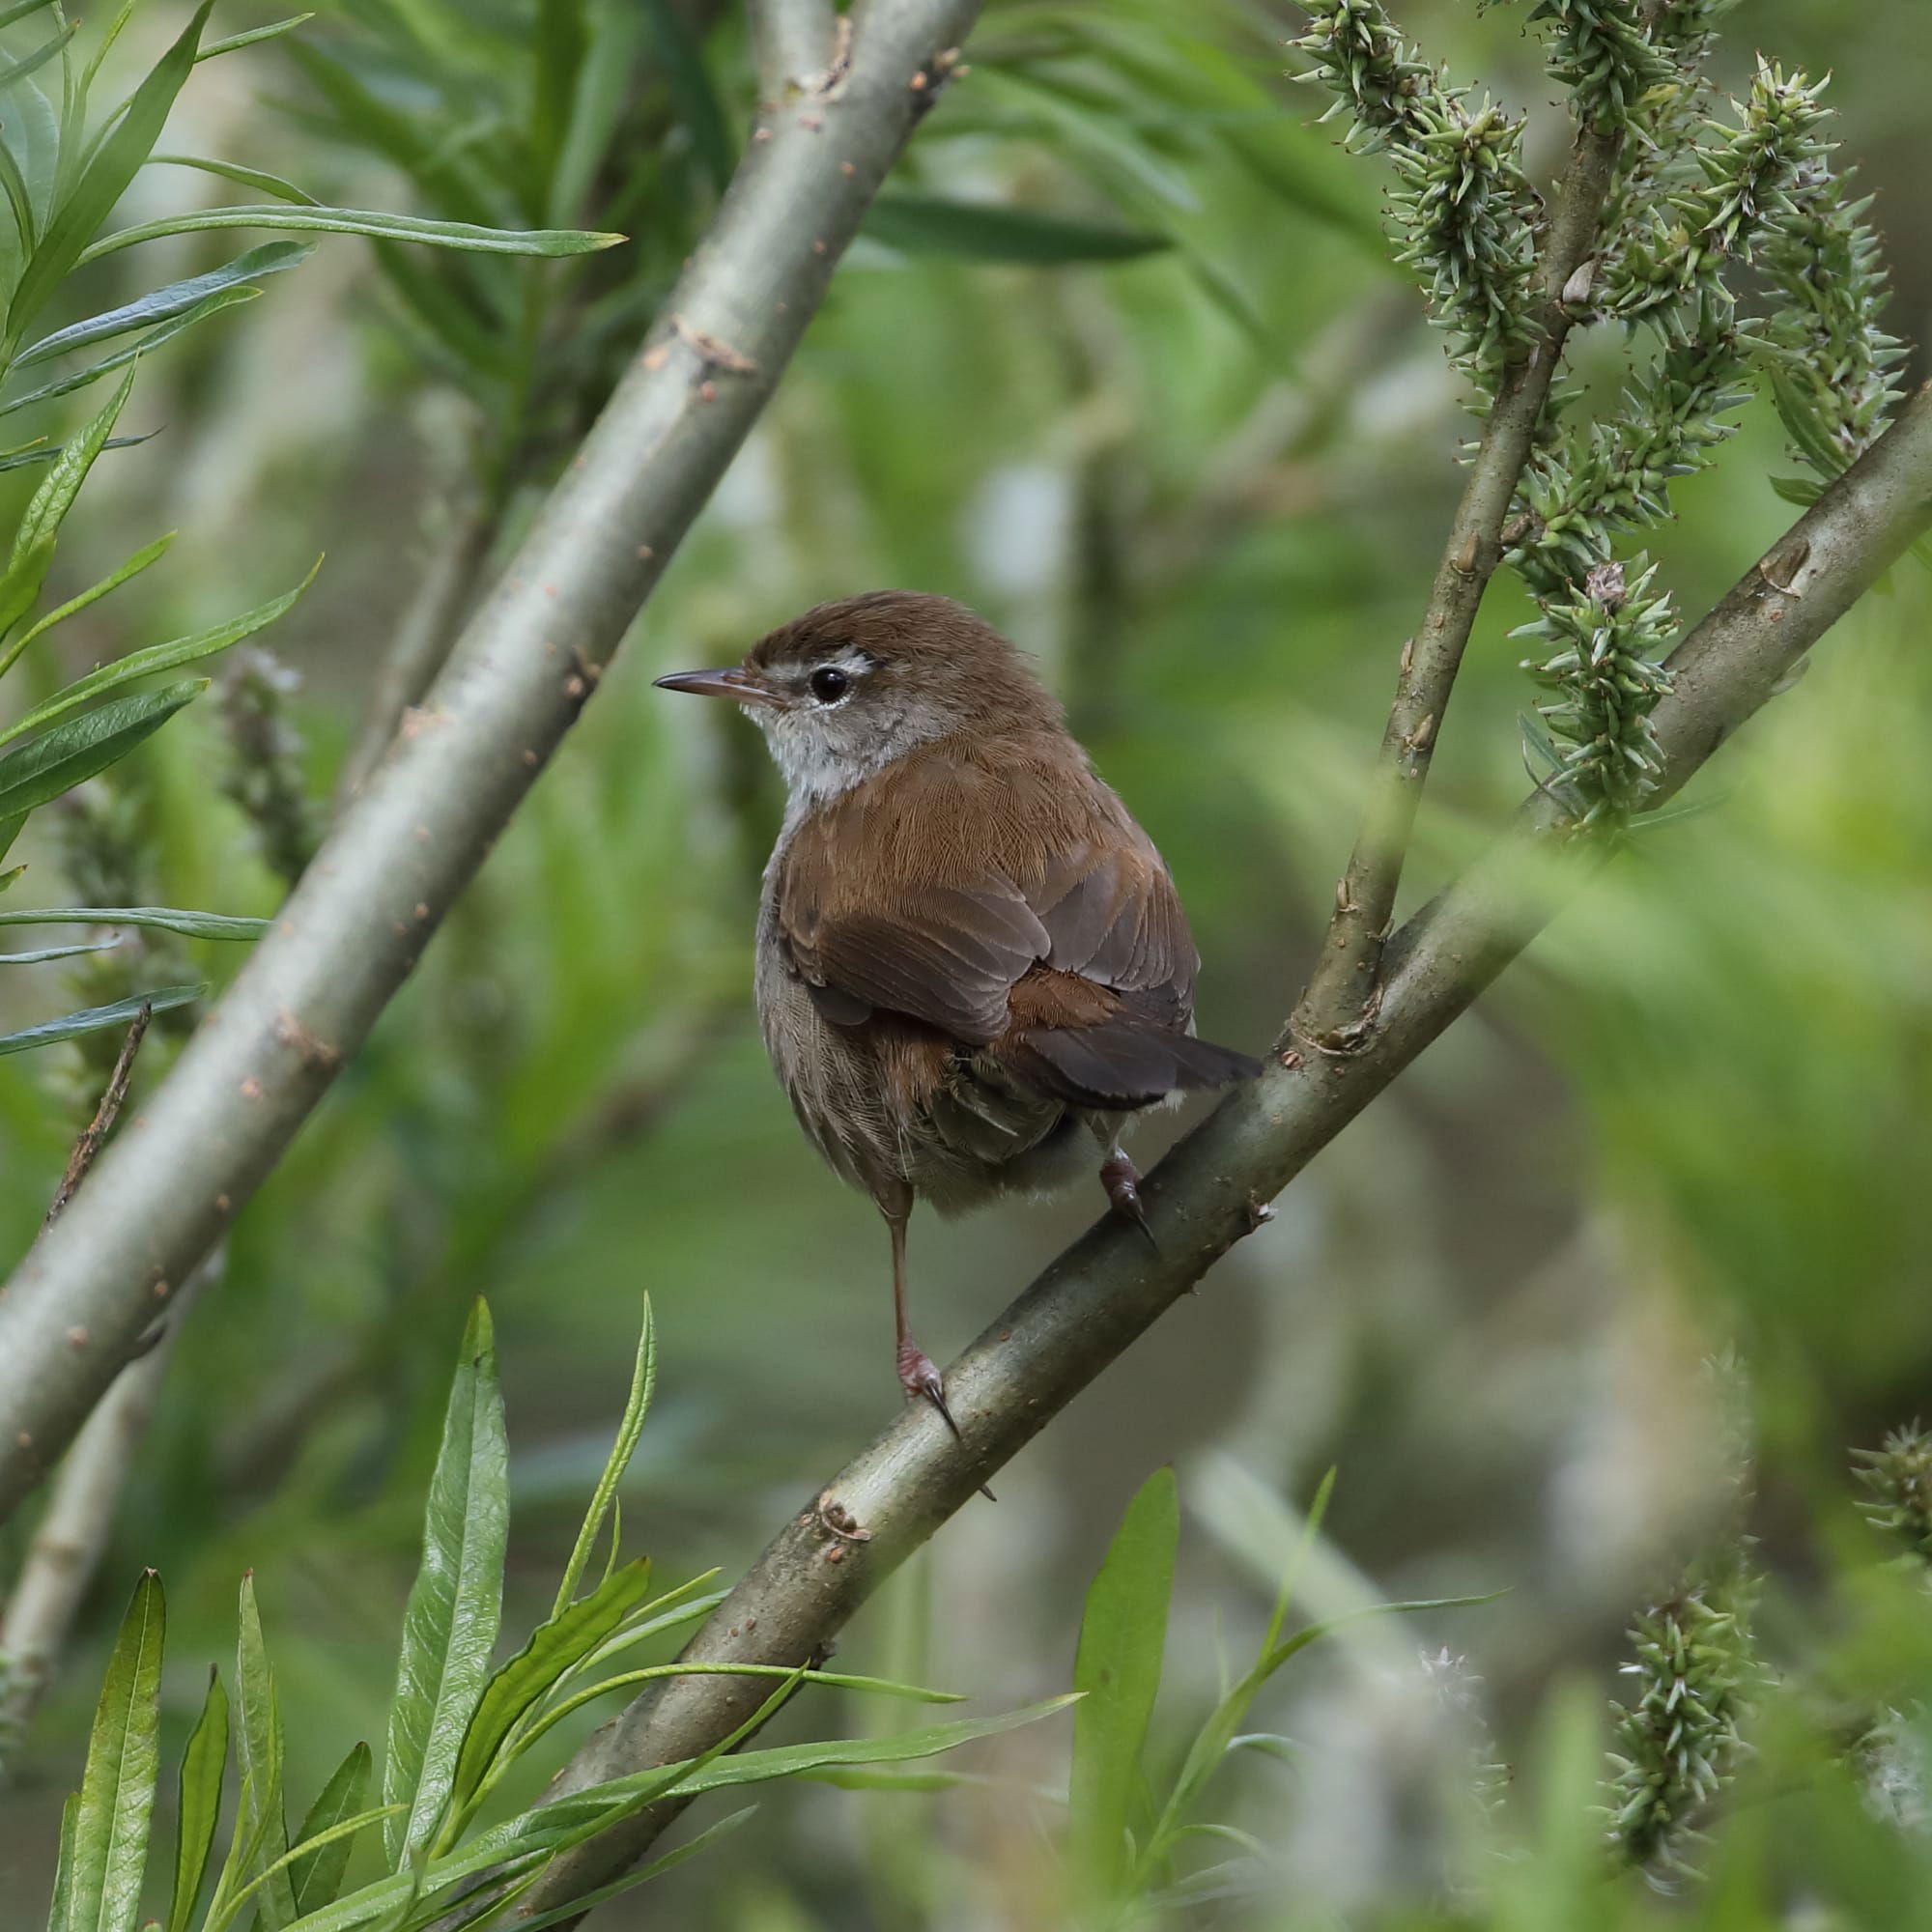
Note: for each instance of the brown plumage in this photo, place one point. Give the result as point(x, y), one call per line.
point(971, 960)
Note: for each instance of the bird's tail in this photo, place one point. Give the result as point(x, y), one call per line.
point(1120, 1064)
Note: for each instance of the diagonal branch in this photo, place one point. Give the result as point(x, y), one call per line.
point(1336, 1010)
point(1107, 1289)
point(526, 663)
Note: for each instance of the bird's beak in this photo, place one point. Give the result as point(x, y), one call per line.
point(735, 682)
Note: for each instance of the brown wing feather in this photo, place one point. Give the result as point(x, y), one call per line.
point(1013, 911)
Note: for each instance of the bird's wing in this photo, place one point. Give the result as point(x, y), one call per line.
point(987, 899)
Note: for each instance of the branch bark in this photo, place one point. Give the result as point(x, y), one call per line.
point(1335, 1013)
point(1108, 1288)
point(526, 663)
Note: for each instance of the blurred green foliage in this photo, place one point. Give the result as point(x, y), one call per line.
point(1203, 468)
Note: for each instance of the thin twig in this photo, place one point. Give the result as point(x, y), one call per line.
point(105, 1115)
point(1107, 1289)
point(423, 638)
point(72, 1536)
point(526, 663)
point(793, 41)
point(1337, 1011)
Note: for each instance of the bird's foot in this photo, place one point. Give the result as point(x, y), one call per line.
point(920, 1378)
point(1122, 1182)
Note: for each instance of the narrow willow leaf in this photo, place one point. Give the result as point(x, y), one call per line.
point(162, 919)
point(149, 553)
point(686, 79)
point(561, 40)
point(153, 661)
point(62, 759)
point(42, 955)
point(327, 1842)
point(15, 72)
point(603, 90)
point(47, 507)
point(383, 227)
point(96, 1020)
point(229, 298)
point(260, 1822)
point(19, 203)
point(105, 176)
point(116, 1788)
point(315, 1871)
point(204, 1768)
point(271, 258)
point(60, 1918)
point(565, 1639)
point(449, 1627)
point(40, 450)
point(1122, 1633)
point(259, 178)
point(923, 224)
point(252, 37)
point(630, 1425)
point(701, 1841)
point(20, 9)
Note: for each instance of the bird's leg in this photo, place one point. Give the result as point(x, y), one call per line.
point(1121, 1180)
point(917, 1375)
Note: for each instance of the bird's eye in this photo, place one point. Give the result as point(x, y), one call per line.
point(829, 684)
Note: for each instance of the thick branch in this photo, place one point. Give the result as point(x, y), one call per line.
point(1108, 1288)
point(1334, 1011)
point(525, 666)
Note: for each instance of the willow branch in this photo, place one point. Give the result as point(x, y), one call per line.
point(1335, 1012)
point(1108, 1288)
point(525, 666)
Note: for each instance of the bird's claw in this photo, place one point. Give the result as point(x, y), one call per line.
point(1123, 1183)
point(920, 1378)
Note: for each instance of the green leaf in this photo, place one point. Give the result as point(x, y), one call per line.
point(106, 178)
point(261, 1823)
point(681, 61)
point(153, 660)
point(20, 9)
point(162, 919)
point(116, 1788)
point(259, 178)
point(40, 450)
point(149, 553)
point(383, 227)
point(96, 1020)
point(561, 42)
point(315, 1873)
point(564, 1639)
point(605, 88)
point(700, 1841)
point(253, 37)
point(42, 955)
point(630, 1425)
point(1122, 1632)
point(925, 224)
point(271, 258)
point(15, 72)
point(47, 507)
point(62, 759)
point(204, 1768)
point(449, 1627)
point(61, 1918)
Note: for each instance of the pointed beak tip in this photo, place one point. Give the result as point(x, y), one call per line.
point(732, 683)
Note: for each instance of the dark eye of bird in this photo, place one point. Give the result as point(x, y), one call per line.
point(829, 684)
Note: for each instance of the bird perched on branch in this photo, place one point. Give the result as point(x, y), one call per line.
point(972, 964)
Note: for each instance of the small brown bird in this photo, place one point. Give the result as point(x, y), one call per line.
point(971, 961)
